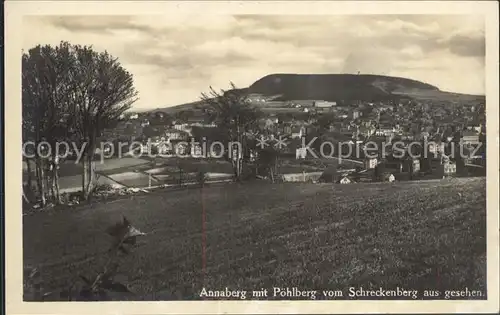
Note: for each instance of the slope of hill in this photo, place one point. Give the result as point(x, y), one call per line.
point(334, 87)
point(347, 87)
point(418, 235)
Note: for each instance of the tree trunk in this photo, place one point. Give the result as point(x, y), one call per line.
point(88, 177)
point(55, 179)
point(29, 178)
point(85, 173)
point(41, 180)
point(238, 153)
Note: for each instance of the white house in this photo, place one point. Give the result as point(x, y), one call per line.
point(371, 163)
point(385, 131)
point(345, 180)
point(197, 151)
point(174, 134)
point(298, 132)
point(390, 178)
point(449, 168)
point(470, 137)
point(324, 104)
point(477, 128)
point(300, 153)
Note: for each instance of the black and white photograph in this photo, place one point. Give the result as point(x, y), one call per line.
point(255, 156)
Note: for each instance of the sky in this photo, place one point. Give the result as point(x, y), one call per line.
point(175, 58)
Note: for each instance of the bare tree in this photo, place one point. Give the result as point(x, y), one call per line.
point(45, 72)
point(232, 113)
point(100, 91)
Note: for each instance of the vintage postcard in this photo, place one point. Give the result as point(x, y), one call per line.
point(251, 157)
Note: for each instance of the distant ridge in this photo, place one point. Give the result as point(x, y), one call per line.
point(343, 87)
point(334, 87)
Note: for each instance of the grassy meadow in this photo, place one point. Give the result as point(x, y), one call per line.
point(417, 235)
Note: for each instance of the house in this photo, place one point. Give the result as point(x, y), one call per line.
point(300, 153)
point(175, 134)
point(181, 149)
point(385, 130)
point(411, 165)
point(181, 126)
point(197, 150)
point(297, 132)
point(255, 98)
point(449, 168)
point(388, 177)
point(345, 180)
point(435, 147)
point(356, 114)
point(202, 124)
point(470, 137)
point(164, 147)
point(145, 123)
point(370, 163)
point(324, 104)
point(424, 135)
point(268, 123)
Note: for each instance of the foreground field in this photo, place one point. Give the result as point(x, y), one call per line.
point(416, 235)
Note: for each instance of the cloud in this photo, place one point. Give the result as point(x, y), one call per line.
point(174, 59)
point(463, 45)
point(97, 24)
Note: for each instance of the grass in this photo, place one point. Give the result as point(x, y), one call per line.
point(416, 235)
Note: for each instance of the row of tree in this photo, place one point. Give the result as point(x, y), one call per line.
point(70, 93)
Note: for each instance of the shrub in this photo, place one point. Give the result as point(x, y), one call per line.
point(98, 287)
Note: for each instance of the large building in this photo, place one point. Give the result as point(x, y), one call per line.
point(470, 137)
point(324, 104)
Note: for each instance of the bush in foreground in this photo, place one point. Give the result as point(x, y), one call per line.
point(95, 288)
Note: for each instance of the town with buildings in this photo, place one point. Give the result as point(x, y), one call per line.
point(329, 153)
point(436, 126)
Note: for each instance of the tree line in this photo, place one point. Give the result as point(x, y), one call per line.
point(69, 93)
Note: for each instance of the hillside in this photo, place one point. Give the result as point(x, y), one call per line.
point(347, 87)
point(334, 87)
point(419, 235)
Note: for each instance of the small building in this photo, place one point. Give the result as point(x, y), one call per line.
point(197, 151)
point(370, 163)
point(389, 177)
point(345, 180)
point(297, 132)
point(477, 128)
point(385, 130)
point(449, 168)
point(324, 104)
point(181, 149)
point(411, 165)
point(435, 147)
point(300, 153)
point(470, 137)
point(175, 134)
point(181, 126)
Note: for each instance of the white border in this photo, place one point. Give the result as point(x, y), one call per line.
point(15, 10)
